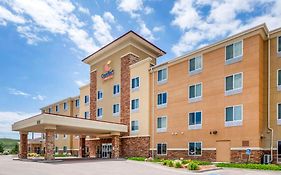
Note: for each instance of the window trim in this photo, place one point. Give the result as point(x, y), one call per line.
point(278, 120)
point(237, 58)
point(65, 108)
point(164, 105)
point(135, 131)
point(234, 91)
point(165, 80)
point(160, 130)
point(278, 162)
point(136, 109)
point(166, 149)
point(196, 143)
point(196, 126)
point(234, 122)
point(116, 114)
point(135, 88)
point(116, 94)
point(56, 136)
point(85, 117)
point(277, 77)
point(64, 136)
point(196, 71)
point(99, 117)
point(277, 44)
point(57, 108)
point(86, 103)
point(77, 106)
point(99, 99)
point(195, 99)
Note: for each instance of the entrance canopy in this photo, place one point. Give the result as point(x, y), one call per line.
point(67, 125)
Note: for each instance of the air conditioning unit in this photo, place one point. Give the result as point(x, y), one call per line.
point(266, 159)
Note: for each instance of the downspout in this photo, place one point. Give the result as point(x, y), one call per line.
point(268, 100)
point(152, 122)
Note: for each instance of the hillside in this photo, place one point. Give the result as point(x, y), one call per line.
point(9, 143)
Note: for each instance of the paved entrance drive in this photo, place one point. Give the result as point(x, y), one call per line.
point(105, 167)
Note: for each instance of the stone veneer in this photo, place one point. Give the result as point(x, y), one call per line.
point(135, 146)
point(82, 144)
point(23, 145)
point(50, 144)
point(115, 146)
point(93, 95)
point(126, 61)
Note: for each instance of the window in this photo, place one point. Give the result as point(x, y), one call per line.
point(279, 151)
point(77, 103)
point(195, 120)
point(116, 89)
point(135, 105)
point(135, 83)
point(57, 108)
point(279, 80)
point(162, 100)
point(99, 113)
point(233, 84)
point(50, 110)
point(161, 148)
point(56, 149)
point(233, 115)
point(279, 114)
point(279, 45)
point(162, 76)
point(116, 110)
point(65, 106)
point(195, 92)
point(87, 115)
point(100, 95)
point(162, 124)
point(195, 65)
point(234, 52)
point(135, 126)
point(86, 99)
point(65, 149)
point(194, 148)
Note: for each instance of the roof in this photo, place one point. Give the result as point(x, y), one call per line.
point(119, 38)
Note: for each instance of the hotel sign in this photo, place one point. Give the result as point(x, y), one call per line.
point(109, 72)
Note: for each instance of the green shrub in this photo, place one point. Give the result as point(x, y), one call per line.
point(251, 166)
point(137, 158)
point(178, 164)
point(184, 162)
point(165, 162)
point(202, 162)
point(171, 163)
point(193, 166)
point(1, 147)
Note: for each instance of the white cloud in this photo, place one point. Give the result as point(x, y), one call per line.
point(6, 15)
point(148, 10)
point(109, 17)
point(16, 92)
point(101, 30)
point(146, 32)
point(32, 37)
point(39, 97)
point(83, 10)
point(130, 6)
point(81, 82)
point(200, 27)
point(158, 29)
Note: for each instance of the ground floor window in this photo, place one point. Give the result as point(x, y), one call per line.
point(56, 149)
point(161, 148)
point(134, 126)
point(279, 151)
point(195, 148)
point(65, 149)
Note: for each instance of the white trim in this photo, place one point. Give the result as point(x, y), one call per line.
point(278, 153)
point(195, 99)
point(278, 120)
point(234, 122)
point(166, 149)
point(160, 130)
point(277, 44)
point(135, 88)
point(237, 58)
point(99, 99)
point(134, 136)
point(245, 148)
point(196, 126)
point(164, 105)
point(129, 53)
point(278, 86)
point(136, 109)
point(164, 80)
point(196, 71)
point(234, 91)
point(195, 146)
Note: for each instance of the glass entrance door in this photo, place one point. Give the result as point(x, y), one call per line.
point(106, 150)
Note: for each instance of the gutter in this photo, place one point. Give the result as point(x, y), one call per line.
point(268, 100)
point(152, 122)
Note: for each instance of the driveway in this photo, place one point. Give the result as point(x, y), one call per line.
point(105, 167)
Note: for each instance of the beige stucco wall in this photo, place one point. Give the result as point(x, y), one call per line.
point(84, 90)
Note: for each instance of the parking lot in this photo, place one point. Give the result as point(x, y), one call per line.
point(8, 166)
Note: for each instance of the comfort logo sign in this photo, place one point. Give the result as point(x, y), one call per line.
point(109, 72)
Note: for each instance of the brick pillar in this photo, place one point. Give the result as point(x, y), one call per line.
point(126, 61)
point(93, 95)
point(82, 144)
point(50, 144)
point(115, 146)
point(23, 145)
point(92, 144)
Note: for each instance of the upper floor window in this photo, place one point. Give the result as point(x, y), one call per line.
point(86, 99)
point(234, 52)
point(195, 92)
point(195, 120)
point(87, 115)
point(77, 103)
point(195, 65)
point(279, 114)
point(116, 110)
point(162, 76)
point(57, 108)
point(135, 105)
point(135, 83)
point(50, 110)
point(100, 95)
point(162, 124)
point(99, 113)
point(116, 89)
point(65, 106)
point(279, 80)
point(279, 45)
point(162, 100)
point(233, 115)
point(161, 148)
point(194, 148)
point(233, 84)
point(134, 126)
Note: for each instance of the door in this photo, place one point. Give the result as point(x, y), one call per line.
point(106, 150)
point(279, 152)
point(223, 151)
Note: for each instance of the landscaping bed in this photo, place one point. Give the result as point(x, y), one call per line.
point(251, 166)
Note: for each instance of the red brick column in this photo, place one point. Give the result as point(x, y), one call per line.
point(126, 61)
point(115, 147)
point(93, 95)
point(82, 144)
point(23, 145)
point(92, 144)
point(50, 144)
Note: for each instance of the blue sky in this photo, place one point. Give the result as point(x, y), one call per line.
point(42, 42)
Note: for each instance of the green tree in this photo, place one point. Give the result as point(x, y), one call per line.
point(1, 147)
point(15, 150)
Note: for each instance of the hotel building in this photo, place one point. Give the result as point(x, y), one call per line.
point(217, 103)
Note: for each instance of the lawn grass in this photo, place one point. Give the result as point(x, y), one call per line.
point(251, 166)
point(9, 144)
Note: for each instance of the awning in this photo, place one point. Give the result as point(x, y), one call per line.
point(67, 125)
